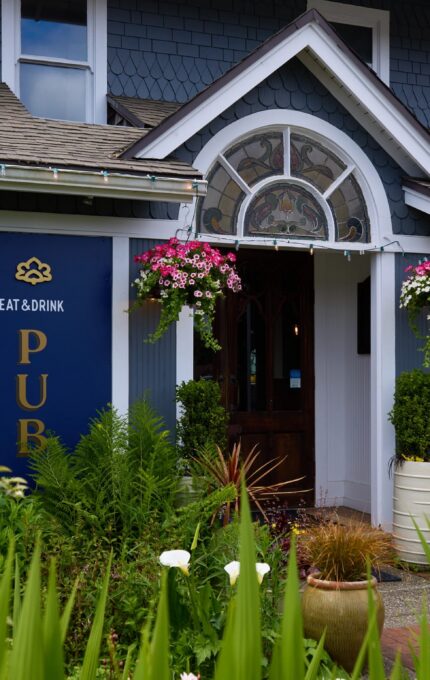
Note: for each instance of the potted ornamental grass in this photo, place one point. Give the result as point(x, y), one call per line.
point(335, 598)
point(179, 274)
point(410, 416)
point(415, 298)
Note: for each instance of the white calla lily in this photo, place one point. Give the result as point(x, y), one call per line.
point(233, 570)
point(189, 676)
point(262, 569)
point(176, 558)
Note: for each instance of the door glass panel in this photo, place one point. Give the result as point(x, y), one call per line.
point(251, 359)
point(53, 91)
point(54, 28)
point(287, 374)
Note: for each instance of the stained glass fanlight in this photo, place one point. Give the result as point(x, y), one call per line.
point(284, 183)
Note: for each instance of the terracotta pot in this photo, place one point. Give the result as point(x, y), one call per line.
point(340, 608)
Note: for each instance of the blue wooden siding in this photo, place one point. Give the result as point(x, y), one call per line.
point(172, 50)
point(408, 355)
point(152, 366)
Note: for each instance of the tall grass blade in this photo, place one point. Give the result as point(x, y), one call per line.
point(313, 670)
point(292, 652)
point(397, 672)
point(226, 655)
point(5, 588)
point(376, 662)
point(17, 604)
point(127, 664)
point(92, 652)
point(53, 648)
point(425, 545)
point(422, 664)
point(67, 611)
point(159, 650)
point(142, 670)
point(247, 628)
point(27, 654)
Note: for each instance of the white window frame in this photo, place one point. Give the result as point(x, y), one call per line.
point(376, 19)
point(95, 66)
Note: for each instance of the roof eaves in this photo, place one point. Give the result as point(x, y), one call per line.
point(128, 115)
point(137, 148)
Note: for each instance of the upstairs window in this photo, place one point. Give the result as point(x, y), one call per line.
point(364, 29)
point(52, 59)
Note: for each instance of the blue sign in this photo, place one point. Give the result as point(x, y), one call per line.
point(55, 339)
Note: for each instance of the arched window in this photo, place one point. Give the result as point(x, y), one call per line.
point(284, 182)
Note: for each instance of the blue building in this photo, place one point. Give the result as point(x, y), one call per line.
point(293, 132)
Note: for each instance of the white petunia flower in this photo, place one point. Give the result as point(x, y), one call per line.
point(176, 558)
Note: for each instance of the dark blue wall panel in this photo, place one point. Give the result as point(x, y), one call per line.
point(152, 366)
point(408, 355)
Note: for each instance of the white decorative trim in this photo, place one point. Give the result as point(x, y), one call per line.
point(97, 54)
point(184, 348)
point(120, 303)
point(84, 225)
point(417, 200)
point(376, 19)
point(383, 371)
point(336, 140)
point(360, 87)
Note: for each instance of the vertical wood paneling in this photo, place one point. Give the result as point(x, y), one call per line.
point(342, 384)
point(152, 366)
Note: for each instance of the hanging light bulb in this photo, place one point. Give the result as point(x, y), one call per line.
point(275, 243)
point(311, 249)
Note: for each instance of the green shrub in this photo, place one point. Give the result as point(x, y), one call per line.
point(203, 423)
point(410, 415)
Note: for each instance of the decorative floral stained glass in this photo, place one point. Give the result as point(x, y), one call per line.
point(283, 207)
point(349, 211)
point(286, 209)
point(313, 162)
point(258, 157)
point(217, 213)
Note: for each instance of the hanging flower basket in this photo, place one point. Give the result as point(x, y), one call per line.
point(179, 274)
point(415, 297)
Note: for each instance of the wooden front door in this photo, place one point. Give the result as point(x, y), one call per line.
point(266, 368)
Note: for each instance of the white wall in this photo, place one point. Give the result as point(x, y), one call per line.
point(342, 384)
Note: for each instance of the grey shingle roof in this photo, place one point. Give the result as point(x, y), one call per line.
point(26, 140)
point(142, 112)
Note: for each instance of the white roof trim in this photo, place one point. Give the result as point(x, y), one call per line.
point(95, 183)
point(358, 86)
point(417, 200)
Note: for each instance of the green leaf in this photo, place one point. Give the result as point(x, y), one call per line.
point(226, 657)
point(92, 652)
point(291, 663)
point(159, 651)
point(53, 649)
point(126, 669)
point(422, 666)
point(65, 617)
point(5, 587)
point(27, 654)
point(16, 596)
point(247, 628)
point(397, 672)
point(376, 661)
point(425, 545)
point(312, 672)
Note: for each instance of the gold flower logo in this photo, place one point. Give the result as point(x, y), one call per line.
point(33, 271)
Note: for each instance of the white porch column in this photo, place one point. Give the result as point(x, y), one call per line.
point(184, 348)
point(383, 365)
point(120, 303)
